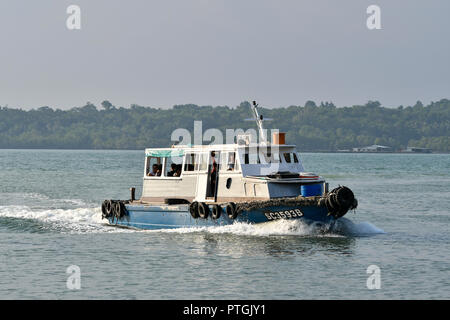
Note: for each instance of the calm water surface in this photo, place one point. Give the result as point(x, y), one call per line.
point(50, 219)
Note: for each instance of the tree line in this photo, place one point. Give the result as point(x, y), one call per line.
point(311, 127)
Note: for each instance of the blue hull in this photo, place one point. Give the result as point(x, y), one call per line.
point(178, 216)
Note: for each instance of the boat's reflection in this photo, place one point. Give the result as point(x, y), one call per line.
point(280, 247)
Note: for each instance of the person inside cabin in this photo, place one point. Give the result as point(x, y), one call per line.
point(154, 171)
point(173, 170)
point(158, 173)
point(178, 171)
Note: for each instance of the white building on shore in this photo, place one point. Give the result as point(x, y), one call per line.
point(373, 148)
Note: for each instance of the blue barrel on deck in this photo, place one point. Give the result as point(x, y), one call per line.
point(310, 190)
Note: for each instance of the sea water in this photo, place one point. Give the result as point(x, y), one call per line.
point(50, 219)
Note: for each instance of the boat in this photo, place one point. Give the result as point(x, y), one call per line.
point(220, 184)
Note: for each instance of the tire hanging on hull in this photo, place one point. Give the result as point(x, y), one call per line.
point(193, 207)
point(104, 210)
point(107, 209)
point(216, 211)
point(339, 201)
point(118, 210)
point(231, 211)
point(114, 209)
point(203, 210)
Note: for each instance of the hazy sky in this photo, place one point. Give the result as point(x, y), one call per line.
point(222, 52)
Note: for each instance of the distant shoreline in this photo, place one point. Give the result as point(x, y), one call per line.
point(316, 128)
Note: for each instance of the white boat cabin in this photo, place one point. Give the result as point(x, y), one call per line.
point(223, 173)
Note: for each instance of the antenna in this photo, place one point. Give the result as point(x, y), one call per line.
point(259, 122)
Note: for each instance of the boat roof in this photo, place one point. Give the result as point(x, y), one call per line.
point(179, 149)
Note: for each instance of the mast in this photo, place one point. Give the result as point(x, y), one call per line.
point(259, 122)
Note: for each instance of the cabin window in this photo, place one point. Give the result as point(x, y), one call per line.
point(231, 161)
point(276, 158)
point(173, 166)
point(228, 162)
point(295, 157)
point(201, 166)
point(154, 166)
point(266, 157)
point(270, 157)
point(251, 156)
point(190, 163)
point(287, 157)
point(223, 162)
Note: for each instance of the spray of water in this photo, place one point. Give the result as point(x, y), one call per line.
point(342, 227)
point(78, 220)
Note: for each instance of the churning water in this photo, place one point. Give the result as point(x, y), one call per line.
point(50, 219)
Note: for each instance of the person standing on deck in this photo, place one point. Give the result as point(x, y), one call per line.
point(213, 176)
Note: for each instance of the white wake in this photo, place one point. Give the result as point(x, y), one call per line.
point(342, 227)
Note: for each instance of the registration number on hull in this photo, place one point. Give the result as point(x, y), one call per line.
point(283, 214)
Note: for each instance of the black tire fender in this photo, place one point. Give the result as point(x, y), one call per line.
point(216, 211)
point(108, 207)
point(230, 209)
point(104, 215)
point(117, 209)
point(193, 207)
point(203, 210)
